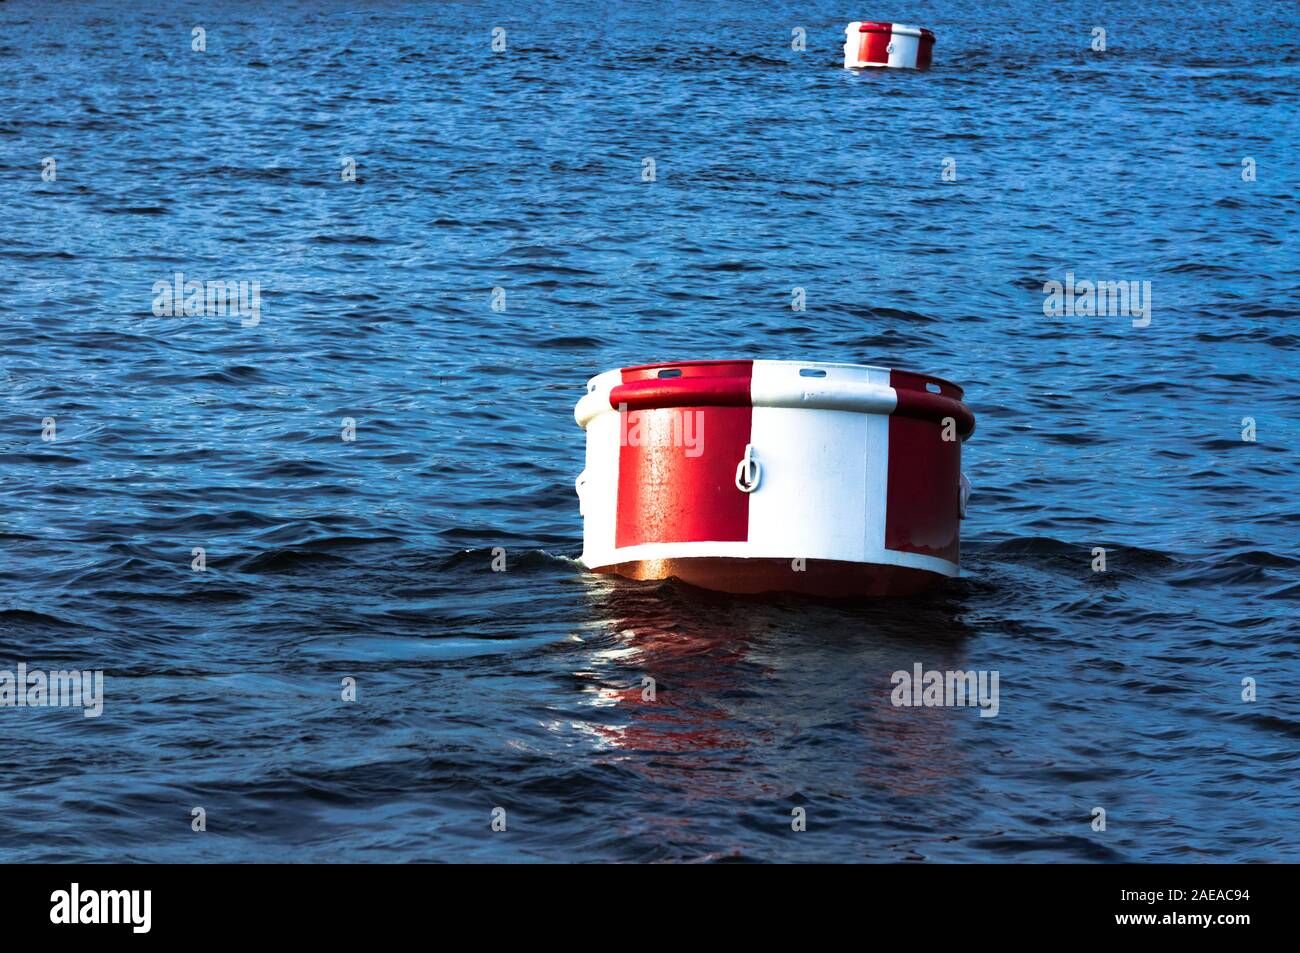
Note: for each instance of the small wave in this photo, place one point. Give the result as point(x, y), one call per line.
point(136, 210)
point(1271, 723)
point(529, 560)
point(288, 560)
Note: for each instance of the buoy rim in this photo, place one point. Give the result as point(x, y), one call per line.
point(736, 384)
point(899, 29)
point(819, 365)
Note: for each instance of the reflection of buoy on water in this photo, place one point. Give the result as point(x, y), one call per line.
point(758, 476)
point(887, 44)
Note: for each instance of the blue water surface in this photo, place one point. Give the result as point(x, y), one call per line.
point(525, 170)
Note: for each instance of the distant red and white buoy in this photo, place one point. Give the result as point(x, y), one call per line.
point(887, 44)
point(760, 476)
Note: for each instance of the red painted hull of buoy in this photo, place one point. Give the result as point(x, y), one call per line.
point(826, 578)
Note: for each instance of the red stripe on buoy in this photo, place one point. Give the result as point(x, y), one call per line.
point(925, 50)
point(681, 438)
point(922, 506)
point(688, 384)
point(875, 42)
point(922, 509)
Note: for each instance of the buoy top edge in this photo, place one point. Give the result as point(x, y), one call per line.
point(898, 29)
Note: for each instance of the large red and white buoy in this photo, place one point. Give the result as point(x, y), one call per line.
point(887, 44)
point(759, 476)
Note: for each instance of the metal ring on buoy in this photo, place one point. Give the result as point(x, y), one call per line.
point(748, 472)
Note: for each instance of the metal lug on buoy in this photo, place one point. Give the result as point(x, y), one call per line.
point(748, 472)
